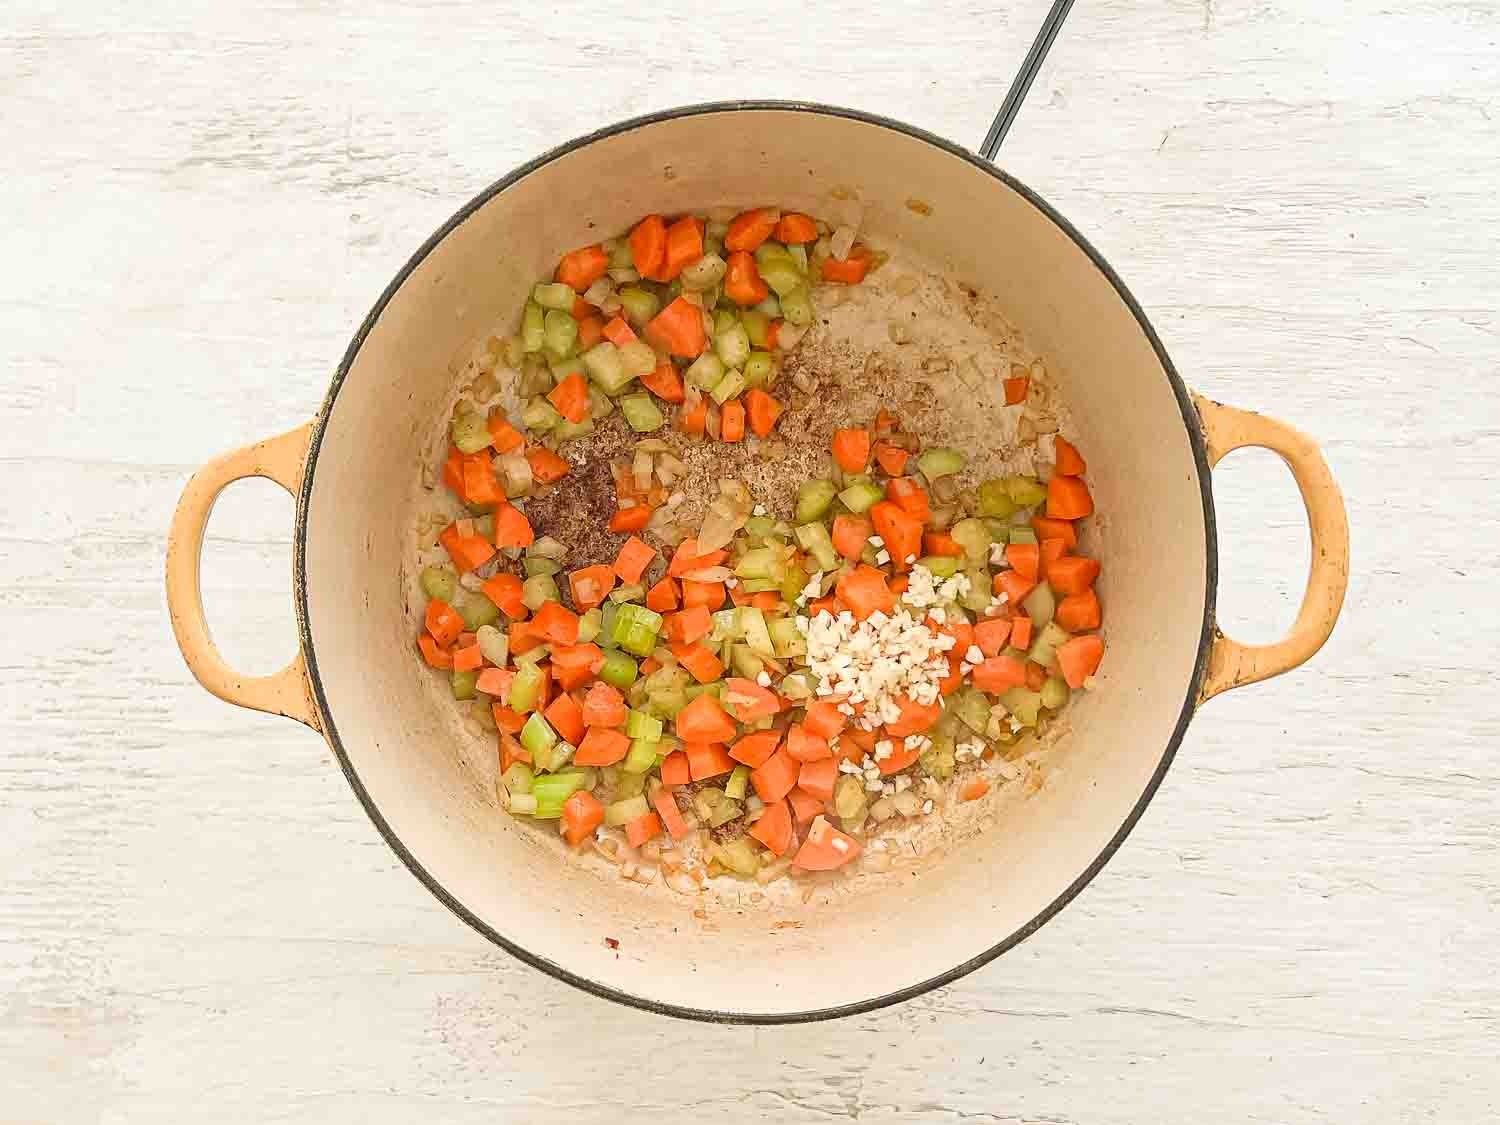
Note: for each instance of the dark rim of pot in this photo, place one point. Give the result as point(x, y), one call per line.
point(1200, 455)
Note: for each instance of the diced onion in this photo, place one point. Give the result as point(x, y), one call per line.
point(709, 573)
point(842, 242)
point(599, 292)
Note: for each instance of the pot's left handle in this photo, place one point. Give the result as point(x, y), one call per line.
point(280, 459)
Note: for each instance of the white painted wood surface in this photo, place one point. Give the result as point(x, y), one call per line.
point(198, 922)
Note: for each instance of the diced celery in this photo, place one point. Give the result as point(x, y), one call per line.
point(633, 592)
point(641, 725)
point(601, 406)
point(526, 688)
point(493, 644)
point(642, 413)
point(940, 461)
point(724, 320)
point(573, 365)
point(606, 367)
point(606, 635)
point(618, 670)
point(788, 639)
point(758, 563)
point(796, 306)
point(1025, 492)
point(994, 500)
point(999, 530)
point(623, 812)
point(642, 756)
point(538, 591)
point(518, 778)
point(440, 582)
point(757, 634)
point(757, 327)
point(1022, 535)
point(640, 304)
point(637, 358)
point(535, 567)
point(1046, 643)
point(972, 708)
point(554, 295)
point(849, 797)
point(761, 585)
point(770, 307)
point(705, 273)
point(974, 537)
point(728, 387)
point(693, 691)
point(1040, 605)
point(816, 541)
point(536, 376)
point(792, 584)
point(533, 327)
point(799, 685)
point(476, 610)
point(735, 786)
point(629, 785)
point(862, 495)
point(588, 625)
point(798, 254)
point(746, 663)
point(938, 759)
point(484, 527)
point(756, 528)
point(537, 735)
point(770, 251)
point(1055, 635)
point(1054, 693)
point(733, 345)
point(570, 431)
point(726, 626)
point(534, 655)
point(944, 566)
point(560, 332)
point(759, 369)
point(558, 787)
point(705, 371)
point(980, 595)
point(539, 415)
point(463, 684)
point(470, 432)
point(522, 804)
point(1023, 704)
point(738, 856)
point(728, 809)
point(636, 629)
point(813, 499)
point(620, 257)
point(785, 279)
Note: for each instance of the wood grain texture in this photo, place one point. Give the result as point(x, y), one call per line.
point(197, 919)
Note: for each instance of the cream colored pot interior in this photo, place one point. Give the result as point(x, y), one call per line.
point(438, 801)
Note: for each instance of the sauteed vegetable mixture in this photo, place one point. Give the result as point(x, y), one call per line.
point(773, 688)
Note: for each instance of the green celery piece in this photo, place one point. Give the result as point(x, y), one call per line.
point(757, 563)
point(995, 501)
point(1023, 704)
point(525, 689)
point(757, 327)
point(792, 584)
point(761, 585)
point(537, 735)
point(644, 726)
point(974, 537)
point(705, 371)
point(629, 785)
point(571, 431)
point(1054, 693)
point(573, 365)
point(938, 759)
point(607, 616)
point(724, 320)
point(607, 368)
point(797, 307)
point(757, 634)
point(782, 275)
point(1025, 492)
point(494, 644)
point(618, 670)
point(756, 528)
point(849, 797)
point(553, 295)
point(980, 595)
point(798, 255)
point(816, 541)
point(973, 709)
point(728, 387)
point(538, 591)
point(944, 566)
point(642, 755)
point(535, 567)
point(770, 251)
point(759, 368)
point(470, 432)
point(533, 327)
point(861, 496)
point(557, 787)
point(940, 461)
point(623, 812)
point(732, 344)
point(440, 582)
point(705, 273)
point(640, 304)
point(1023, 535)
point(518, 778)
point(634, 592)
point(728, 808)
point(636, 629)
point(770, 307)
point(463, 684)
point(560, 332)
point(788, 639)
point(642, 413)
point(539, 416)
point(746, 663)
point(588, 625)
point(477, 611)
point(735, 786)
point(814, 498)
point(799, 685)
point(1040, 605)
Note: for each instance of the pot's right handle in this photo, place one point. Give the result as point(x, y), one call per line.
point(1230, 663)
point(280, 459)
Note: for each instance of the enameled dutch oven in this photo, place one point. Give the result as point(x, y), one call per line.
point(1148, 438)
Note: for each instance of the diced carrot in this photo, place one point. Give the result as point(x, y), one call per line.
point(1048, 528)
point(1080, 657)
point(648, 245)
point(750, 228)
point(773, 334)
point(511, 751)
point(824, 719)
point(775, 777)
point(998, 673)
point(503, 436)
point(642, 828)
point(633, 559)
point(942, 544)
point(466, 551)
point(915, 717)
point(732, 421)
point(505, 591)
point(703, 720)
point(435, 654)
point(618, 332)
point(590, 586)
point(709, 595)
point(576, 665)
point(898, 759)
point(582, 309)
point(856, 742)
point(671, 816)
point(581, 268)
point(805, 746)
point(1020, 633)
point(974, 789)
point(1025, 559)
point(774, 828)
point(700, 662)
point(566, 717)
point(693, 419)
point(901, 531)
point(763, 411)
point(742, 281)
point(453, 471)
point(707, 759)
point(512, 528)
point(1015, 390)
point(1073, 574)
point(909, 496)
point(1014, 586)
point(767, 601)
point(826, 848)
point(571, 397)
point(850, 271)
point(961, 632)
point(830, 606)
point(678, 329)
point(556, 624)
point(755, 749)
point(851, 534)
point(546, 466)
point(582, 813)
point(796, 227)
point(664, 382)
point(663, 597)
point(1069, 461)
point(467, 658)
point(885, 421)
point(1051, 551)
point(1036, 676)
point(674, 769)
point(805, 805)
point(899, 585)
point(688, 558)
point(481, 486)
point(891, 458)
point(747, 701)
point(590, 332)
point(691, 624)
point(1077, 612)
point(649, 665)
point(955, 677)
point(817, 777)
point(510, 722)
point(630, 519)
point(851, 449)
point(1068, 498)
point(864, 591)
point(443, 622)
point(684, 246)
point(601, 746)
point(603, 706)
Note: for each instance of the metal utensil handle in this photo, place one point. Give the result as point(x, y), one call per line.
point(1024, 77)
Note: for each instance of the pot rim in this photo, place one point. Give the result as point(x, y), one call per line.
point(1200, 456)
